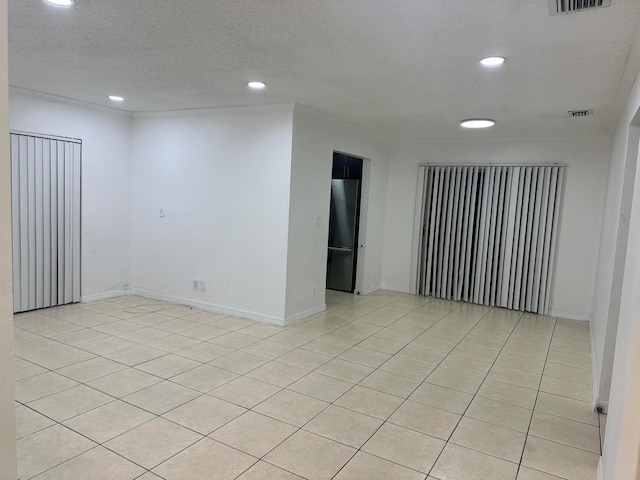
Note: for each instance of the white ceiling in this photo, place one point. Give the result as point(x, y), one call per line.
point(406, 69)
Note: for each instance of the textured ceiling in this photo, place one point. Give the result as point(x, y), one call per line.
point(407, 69)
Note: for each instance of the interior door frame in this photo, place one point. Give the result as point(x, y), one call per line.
point(362, 226)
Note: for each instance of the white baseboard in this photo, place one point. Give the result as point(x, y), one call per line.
point(104, 295)
point(302, 315)
point(210, 307)
point(394, 288)
point(371, 289)
point(583, 317)
point(600, 470)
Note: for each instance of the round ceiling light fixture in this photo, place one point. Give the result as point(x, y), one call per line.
point(477, 123)
point(116, 98)
point(60, 3)
point(256, 85)
point(492, 61)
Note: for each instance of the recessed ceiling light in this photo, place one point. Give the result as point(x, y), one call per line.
point(256, 85)
point(116, 98)
point(60, 3)
point(477, 123)
point(492, 61)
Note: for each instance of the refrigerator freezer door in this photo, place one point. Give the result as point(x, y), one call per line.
point(340, 269)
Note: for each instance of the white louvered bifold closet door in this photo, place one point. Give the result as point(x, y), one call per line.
point(486, 234)
point(45, 194)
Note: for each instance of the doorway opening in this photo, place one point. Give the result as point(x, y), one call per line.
point(344, 222)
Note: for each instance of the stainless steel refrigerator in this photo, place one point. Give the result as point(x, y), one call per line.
point(343, 235)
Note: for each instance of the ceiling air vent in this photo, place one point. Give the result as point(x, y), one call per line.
point(580, 113)
point(556, 7)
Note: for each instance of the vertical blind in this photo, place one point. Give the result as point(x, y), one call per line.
point(45, 203)
point(487, 234)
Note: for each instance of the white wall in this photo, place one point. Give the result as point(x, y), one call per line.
point(614, 235)
point(621, 453)
point(106, 183)
point(315, 137)
point(8, 467)
point(616, 322)
point(579, 228)
point(611, 262)
point(222, 180)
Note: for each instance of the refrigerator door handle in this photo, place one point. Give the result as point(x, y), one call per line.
point(341, 249)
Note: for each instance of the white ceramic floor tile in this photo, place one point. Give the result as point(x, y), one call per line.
point(109, 421)
point(70, 403)
point(457, 463)
point(204, 414)
point(91, 369)
point(490, 439)
point(244, 391)
point(38, 386)
point(567, 432)
point(96, 464)
point(278, 373)
point(291, 407)
point(124, 382)
point(310, 456)
point(266, 471)
point(161, 397)
point(204, 378)
point(168, 366)
point(254, 434)
point(425, 419)
point(405, 447)
point(393, 374)
point(25, 369)
point(370, 402)
point(47, 448)
point(560, 460)
point(344, 426)
point(321, 387)
point(365, 466)
point(29, 421)
point(206, 460)
point(153, 443)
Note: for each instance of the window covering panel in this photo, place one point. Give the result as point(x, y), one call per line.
point(45, 197)
point(487, 234)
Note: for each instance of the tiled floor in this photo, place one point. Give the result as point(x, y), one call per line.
point(387, 386)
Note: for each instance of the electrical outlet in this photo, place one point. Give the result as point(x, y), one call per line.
point(195, 285)
point(202, 285)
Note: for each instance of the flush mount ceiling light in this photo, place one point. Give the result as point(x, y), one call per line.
point(492, 61)
point(60, 3)
point(116, 98)
point(477, 123)
point(256, 85)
